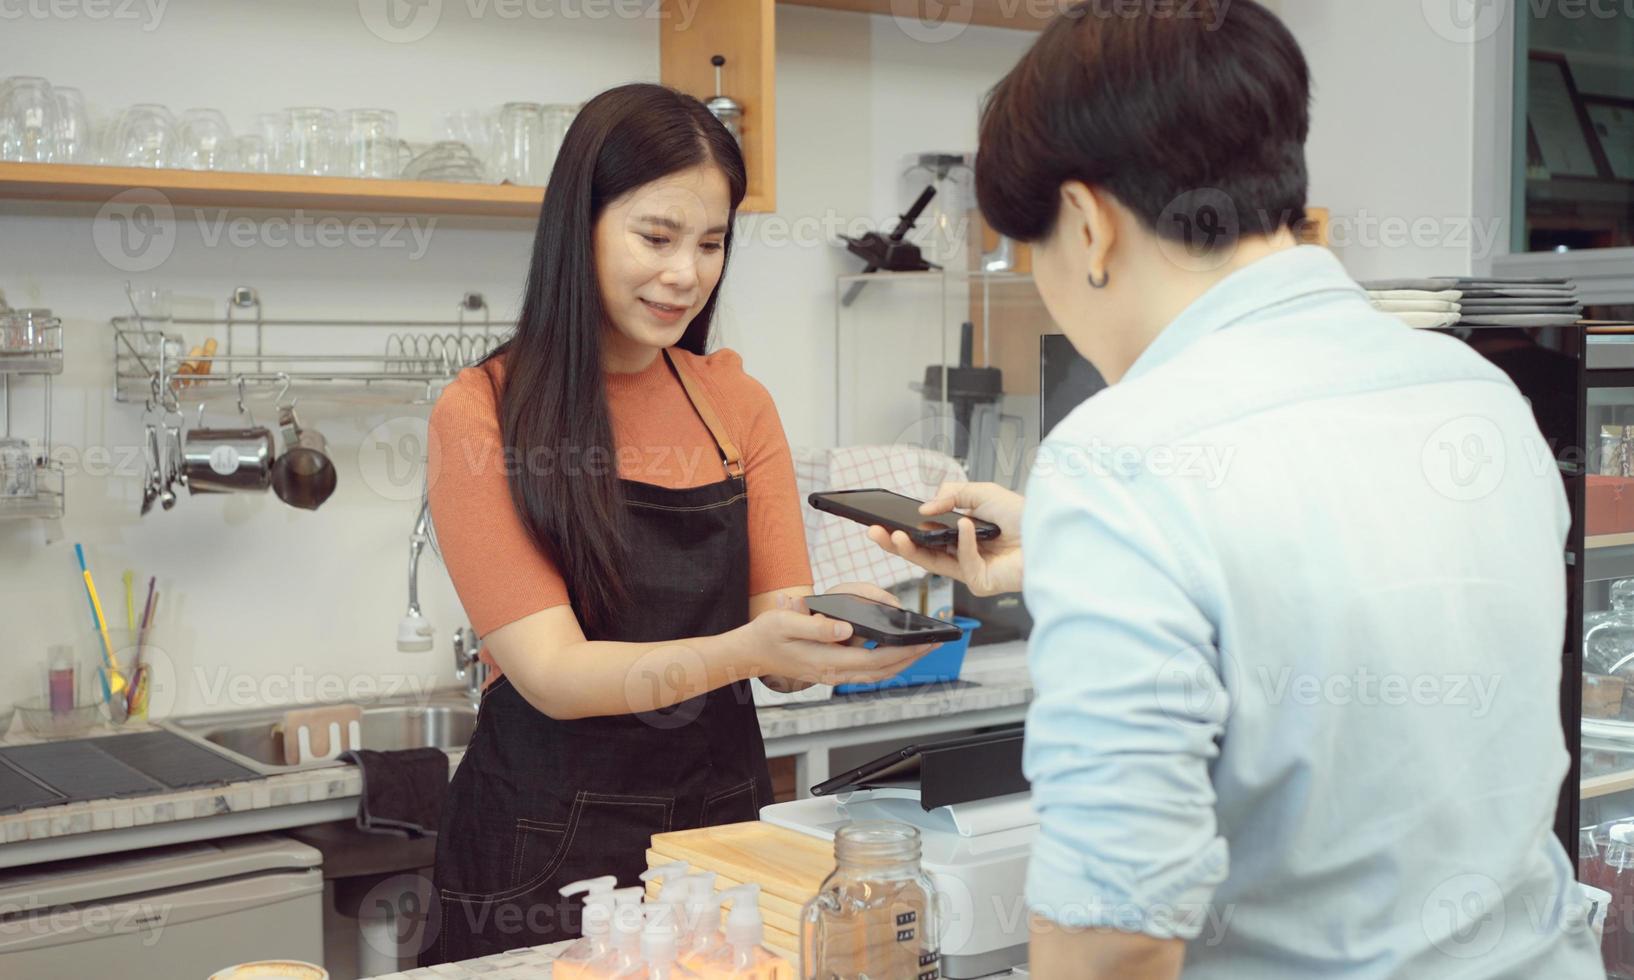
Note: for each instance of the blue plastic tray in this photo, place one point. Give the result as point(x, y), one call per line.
point(939, 666)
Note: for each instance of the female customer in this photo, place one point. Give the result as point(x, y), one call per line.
point(1266, 570)
point(617, 509)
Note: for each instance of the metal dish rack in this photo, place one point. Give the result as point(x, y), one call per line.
point(369, 361)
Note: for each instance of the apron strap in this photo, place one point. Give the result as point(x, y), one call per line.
point(706, 411)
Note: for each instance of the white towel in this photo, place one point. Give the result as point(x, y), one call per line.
point(839, 549)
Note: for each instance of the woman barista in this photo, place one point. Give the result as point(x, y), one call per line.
point(618, 512)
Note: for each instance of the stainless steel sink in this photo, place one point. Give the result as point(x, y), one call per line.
point(247, 737)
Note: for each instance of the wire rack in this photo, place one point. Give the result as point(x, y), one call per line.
point(373, 361)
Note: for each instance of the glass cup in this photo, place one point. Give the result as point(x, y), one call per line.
point(252, 154)
point(479, 131)
point(74, 143)
point(372, 146)
point(557, 120)
point(522, 147)
point(16, 469)
point(151, 302)
point(205, 141)
point(28, 120)
point(311, 141)
point(144, 136)
point(273, 128)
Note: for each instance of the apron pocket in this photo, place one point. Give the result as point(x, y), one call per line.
point(611, 834)
point(538, 846)
point(735, 804)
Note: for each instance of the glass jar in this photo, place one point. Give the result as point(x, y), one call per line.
point(875, 916)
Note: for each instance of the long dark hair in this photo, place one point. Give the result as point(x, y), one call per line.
point(553, 396)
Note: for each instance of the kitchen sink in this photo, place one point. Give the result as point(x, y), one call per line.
point(248, 737)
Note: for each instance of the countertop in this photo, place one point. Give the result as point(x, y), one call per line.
point(994, 676)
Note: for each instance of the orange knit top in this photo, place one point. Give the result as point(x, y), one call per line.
point(498, 571)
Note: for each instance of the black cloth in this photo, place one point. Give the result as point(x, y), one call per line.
point(403, 790)
point(538, 803)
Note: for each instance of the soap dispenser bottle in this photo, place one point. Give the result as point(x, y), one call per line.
point(623, 956)
point(700, 919)
point(596, 926)
point(671, 890)
point(659, 947)
point(743, 957)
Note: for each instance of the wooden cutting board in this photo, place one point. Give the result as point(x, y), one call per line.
point(789, 867)
point(786, 864)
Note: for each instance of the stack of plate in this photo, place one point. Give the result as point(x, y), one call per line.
point(1446, 301)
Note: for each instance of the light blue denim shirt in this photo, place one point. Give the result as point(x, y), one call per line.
point(1298, 591)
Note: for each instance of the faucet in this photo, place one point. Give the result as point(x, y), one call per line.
point(413, 631)
point(468, 665)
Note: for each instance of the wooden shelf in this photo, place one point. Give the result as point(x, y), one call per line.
point(208, 188)
point(1611, 782)
point(981, 13)
point(1596, 541)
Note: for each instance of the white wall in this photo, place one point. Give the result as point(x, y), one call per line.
point(264, 603)
point(1391, 146)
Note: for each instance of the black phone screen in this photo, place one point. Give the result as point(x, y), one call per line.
point(895, 511)
point(880, 619)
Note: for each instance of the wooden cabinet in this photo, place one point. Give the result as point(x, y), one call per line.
point(744, 33)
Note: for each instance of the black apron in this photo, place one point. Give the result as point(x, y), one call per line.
point(537, 803)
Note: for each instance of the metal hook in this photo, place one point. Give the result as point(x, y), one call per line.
point(277, 403)
point(242, 408)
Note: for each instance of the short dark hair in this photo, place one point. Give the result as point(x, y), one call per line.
point(1170, 106)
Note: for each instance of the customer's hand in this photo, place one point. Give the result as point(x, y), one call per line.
point(986, 567)
point(789, 644)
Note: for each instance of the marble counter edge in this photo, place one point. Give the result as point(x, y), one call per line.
point(991, 672)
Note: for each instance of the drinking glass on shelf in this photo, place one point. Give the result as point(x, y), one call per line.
point(521, 144)
point(252, 154)
point(205, 141)
point(74, 143)
point(311, 142)
point(557, 119)
point(143, 136)
point(28, 120)
point(372, 146)
point(479, 131)
point(273, 128)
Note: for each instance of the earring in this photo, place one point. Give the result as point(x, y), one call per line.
point(1101, 283)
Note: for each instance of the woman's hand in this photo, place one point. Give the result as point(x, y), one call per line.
point(788, 644)
point(986, 567)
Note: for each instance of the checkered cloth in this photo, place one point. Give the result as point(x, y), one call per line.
point(840, 550)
